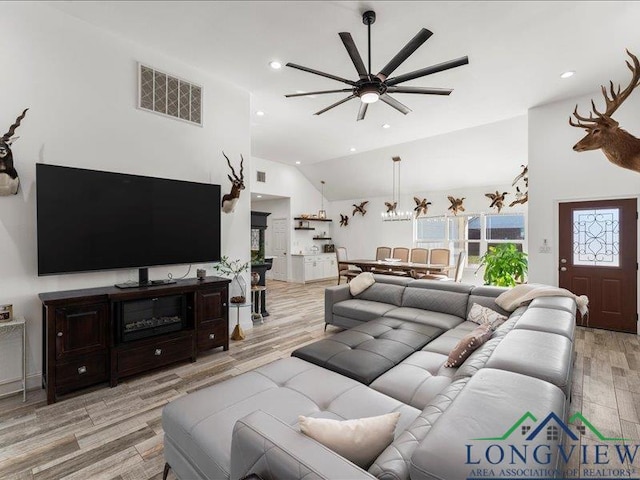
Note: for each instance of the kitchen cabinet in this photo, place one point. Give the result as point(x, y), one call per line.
point(310, 268)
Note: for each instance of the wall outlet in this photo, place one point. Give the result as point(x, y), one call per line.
point(545, 249)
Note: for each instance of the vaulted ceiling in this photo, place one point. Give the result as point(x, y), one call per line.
point(517, 51)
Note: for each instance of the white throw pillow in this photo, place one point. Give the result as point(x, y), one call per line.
point(360, 441)
point(359, 284)
point(479, 314)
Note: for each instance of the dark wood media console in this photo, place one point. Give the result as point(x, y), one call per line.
point(97, 335)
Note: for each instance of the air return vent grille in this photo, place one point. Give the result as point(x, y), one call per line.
point(169, 95)
point(262, 177)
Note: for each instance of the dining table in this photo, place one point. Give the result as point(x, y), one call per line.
point(378, 265)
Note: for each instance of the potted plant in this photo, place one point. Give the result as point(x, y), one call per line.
point(505, 265)
point(238, 287)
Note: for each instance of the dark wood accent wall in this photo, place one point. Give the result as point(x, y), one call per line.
point(81, 346)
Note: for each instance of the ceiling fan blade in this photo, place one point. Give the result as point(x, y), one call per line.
point(363, 110)
point(335, 104)
point(352, 50)
point(422, 36)
point(395, 103)
point(322, 74)
point(428, 70)
point(306, 94)
point(423, 90)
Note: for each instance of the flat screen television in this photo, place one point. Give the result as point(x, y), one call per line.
point(91, 220)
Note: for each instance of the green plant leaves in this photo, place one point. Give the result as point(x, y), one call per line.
point(505, 265)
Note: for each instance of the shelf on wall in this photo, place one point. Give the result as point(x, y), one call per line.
point(314, 219)
point(322, 238)
point(304, 228)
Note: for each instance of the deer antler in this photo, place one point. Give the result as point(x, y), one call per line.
point(13, 127)
point(618, 97)
point(233, 172)
point(612, 102)
point(241, 167)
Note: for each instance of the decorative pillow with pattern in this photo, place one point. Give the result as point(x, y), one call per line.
point(481, 315)
point(467, 344)
point(360, 441)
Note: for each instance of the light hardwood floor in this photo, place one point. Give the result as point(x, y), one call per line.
point(116, 433)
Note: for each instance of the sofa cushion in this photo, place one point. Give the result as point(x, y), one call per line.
point(489, 405)
point(445, 342)
point(444, 321)
point(383, 292)
point(416, 380)
point(558, 303)
point(359, 440)
point(201, 424)
point(362, 310)
point(367, 351)
point(437, 296)
point(486, 296)
point(560, 322)
point(394, 462)
point(542, 355)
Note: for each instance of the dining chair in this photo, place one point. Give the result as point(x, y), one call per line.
point(402, 253)
point(420, 255)
point(457, 276)
point(344, 269)
point(440, 256)
point(383, 252)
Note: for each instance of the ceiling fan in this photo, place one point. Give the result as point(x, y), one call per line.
point(371, 88)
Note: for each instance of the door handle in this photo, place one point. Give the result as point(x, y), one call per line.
point(563, 260)
point(563, 269)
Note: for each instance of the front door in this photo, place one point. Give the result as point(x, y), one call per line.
point(279, 248)
point(597, 258)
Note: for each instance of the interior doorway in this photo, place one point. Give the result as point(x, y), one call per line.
point(598, 243)
point(279, 242)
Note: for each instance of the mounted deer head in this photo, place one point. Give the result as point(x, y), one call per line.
point(9, 181)
point(620, 147)
point(237, 185)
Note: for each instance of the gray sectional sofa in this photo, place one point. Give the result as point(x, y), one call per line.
point(390, 358)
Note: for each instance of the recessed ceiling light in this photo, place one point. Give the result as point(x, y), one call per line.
point(258, 196)
point(260, 113)
point(386, 125)
point(567, 74)
point(275, 65)
point(352, 149)
point(298, 162)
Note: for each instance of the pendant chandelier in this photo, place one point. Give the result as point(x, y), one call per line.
point(393, 213)
point(322, 213)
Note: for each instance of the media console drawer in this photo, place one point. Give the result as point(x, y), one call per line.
point(213, 334)
point(136, 359)
point(82, 372)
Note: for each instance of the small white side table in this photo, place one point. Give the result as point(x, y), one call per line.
point(6, 329)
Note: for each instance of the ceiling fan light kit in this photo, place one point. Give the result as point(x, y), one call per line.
point(370, 88)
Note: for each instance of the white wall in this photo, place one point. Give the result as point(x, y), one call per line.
point(287, 181)
point(364, 234)
point(80, 85)
point(557, 173)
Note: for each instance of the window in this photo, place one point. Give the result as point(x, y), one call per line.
point(472, 233)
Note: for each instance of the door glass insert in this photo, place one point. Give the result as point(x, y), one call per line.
point(596, 237)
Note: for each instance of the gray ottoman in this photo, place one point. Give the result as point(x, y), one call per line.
point(367, 351)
